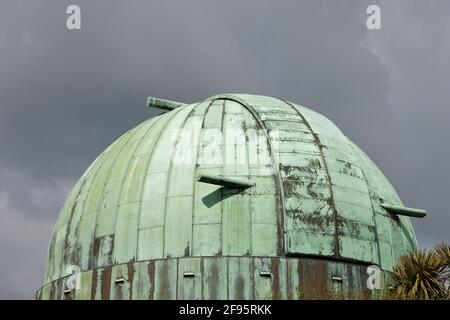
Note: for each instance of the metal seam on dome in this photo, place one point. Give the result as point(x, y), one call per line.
point(50, 268)
point(280, 228)
point(225, 173)
point(200, 135)
point(368, 160)
point(169, 176)
point(75, 193)
point(95, 174)
point(330, 187)
point(251, 225)
point(68, 225)
point(126, 171)
point(167, 191)
point(175, 112)
point(222, 120)
point(406, 222)
point(146, 169)
point(358, 156)
point(69, 222)
point(116, 211)
point(155, 120)
point(373, 167)
point(145, 173)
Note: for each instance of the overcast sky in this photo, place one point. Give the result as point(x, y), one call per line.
point(66, 95)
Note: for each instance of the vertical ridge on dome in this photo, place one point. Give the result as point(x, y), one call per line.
point(394, 233)
point(126, 215)
point(356, 226)
point(152, 211)
point(236, 217)
point(147, 146)
point(319, 146)
point(85, 257)
point(178, 202)
point(66, 253)
point(246, 101)
point(142, 233)
point(206, 226)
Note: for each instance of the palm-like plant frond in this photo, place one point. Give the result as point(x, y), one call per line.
point(443, 251)
point(418, 275)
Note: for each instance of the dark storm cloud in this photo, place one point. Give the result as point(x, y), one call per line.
point(65, 95)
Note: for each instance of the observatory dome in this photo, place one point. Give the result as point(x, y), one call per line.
point(237, 196)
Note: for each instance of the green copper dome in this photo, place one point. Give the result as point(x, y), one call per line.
point(307, 191)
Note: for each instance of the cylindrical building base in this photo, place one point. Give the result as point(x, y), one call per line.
point(219, 278)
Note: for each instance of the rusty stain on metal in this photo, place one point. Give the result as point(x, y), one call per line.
point(105, 283)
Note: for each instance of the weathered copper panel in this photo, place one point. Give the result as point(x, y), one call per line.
point(240, 279)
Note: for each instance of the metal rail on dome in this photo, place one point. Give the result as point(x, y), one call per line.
point(164, 104)
point(404, 211)
point(225, 181)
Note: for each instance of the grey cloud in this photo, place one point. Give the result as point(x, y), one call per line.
point(26, 206)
